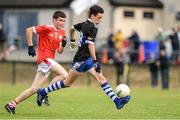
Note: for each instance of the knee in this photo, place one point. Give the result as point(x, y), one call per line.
point(67, 84)
point(64, 76)
point(33, 89)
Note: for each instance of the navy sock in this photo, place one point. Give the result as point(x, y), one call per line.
point(53, 87)
point(108, 90)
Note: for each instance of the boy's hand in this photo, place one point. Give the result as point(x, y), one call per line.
point(97, 66)
point(31, 51)
point(64, 41)
point(73, 44)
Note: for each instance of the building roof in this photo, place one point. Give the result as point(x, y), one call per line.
point(34, 3)
point(137, 3)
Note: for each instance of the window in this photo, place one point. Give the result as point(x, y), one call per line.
point(129, 14)
point(16, 23)
point(148, 15)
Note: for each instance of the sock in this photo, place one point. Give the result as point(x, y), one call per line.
point(108, 90)
point(53, 87)
point(13, 104)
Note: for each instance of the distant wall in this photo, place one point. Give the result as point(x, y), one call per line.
point(147, 28)
point(171, 7)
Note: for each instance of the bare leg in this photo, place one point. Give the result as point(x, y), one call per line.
point(60, 71)
point(98, 76)
point(41, 94)
point(39, 79)
point(72, 76)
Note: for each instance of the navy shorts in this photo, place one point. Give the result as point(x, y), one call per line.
point(83, 66)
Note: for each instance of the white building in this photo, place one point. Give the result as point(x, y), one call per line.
point(143, 15)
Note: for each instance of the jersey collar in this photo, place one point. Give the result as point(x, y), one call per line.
point(90, 20)
point(96, 25)
point(55, 28)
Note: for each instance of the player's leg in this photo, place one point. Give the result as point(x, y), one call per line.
point(108, 89)
point(77, 69)
point(57, 85)
point(59, 70)
point(61, 74)
point(39, 79)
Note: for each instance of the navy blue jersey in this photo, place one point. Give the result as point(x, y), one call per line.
point(88, 32)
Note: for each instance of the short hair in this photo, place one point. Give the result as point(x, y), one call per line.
point(95, 9)
point(58, 14)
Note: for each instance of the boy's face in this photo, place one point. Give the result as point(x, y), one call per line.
point(97, 18)
point(59, 22)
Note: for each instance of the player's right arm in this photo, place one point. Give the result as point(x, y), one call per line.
point(29, 36)
point(41, 29)
point(76, 27)
point(73, 43)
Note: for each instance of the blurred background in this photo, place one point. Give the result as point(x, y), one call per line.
point(138, 41)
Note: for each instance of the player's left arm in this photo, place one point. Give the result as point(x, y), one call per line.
point(62, 44)
point(60, 49)
point(92, 50)
point(90, 33)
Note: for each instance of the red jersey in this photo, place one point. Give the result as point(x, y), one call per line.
point(48, 41)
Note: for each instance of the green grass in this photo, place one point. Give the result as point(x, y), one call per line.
point(91, 103)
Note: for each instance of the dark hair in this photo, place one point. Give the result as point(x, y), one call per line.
point(58, 14)
point(95, 9)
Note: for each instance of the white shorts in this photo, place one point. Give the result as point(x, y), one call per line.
point(45, 66)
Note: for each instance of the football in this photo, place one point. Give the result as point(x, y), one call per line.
point(122, 90)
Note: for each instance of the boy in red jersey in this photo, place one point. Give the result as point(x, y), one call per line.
point(51, 39)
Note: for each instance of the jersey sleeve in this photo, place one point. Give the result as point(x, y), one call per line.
point(39, 29)
point(77, 26)
point(89, 32)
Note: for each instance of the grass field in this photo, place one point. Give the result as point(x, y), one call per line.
point(91, 103)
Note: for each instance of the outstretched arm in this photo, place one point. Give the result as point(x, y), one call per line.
point(72, 32)
point(29, 36)
point(92, 51)
point(62, 44)
point(60, 49)
point(73, 44)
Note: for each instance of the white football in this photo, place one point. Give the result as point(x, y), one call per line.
point(122, 90)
